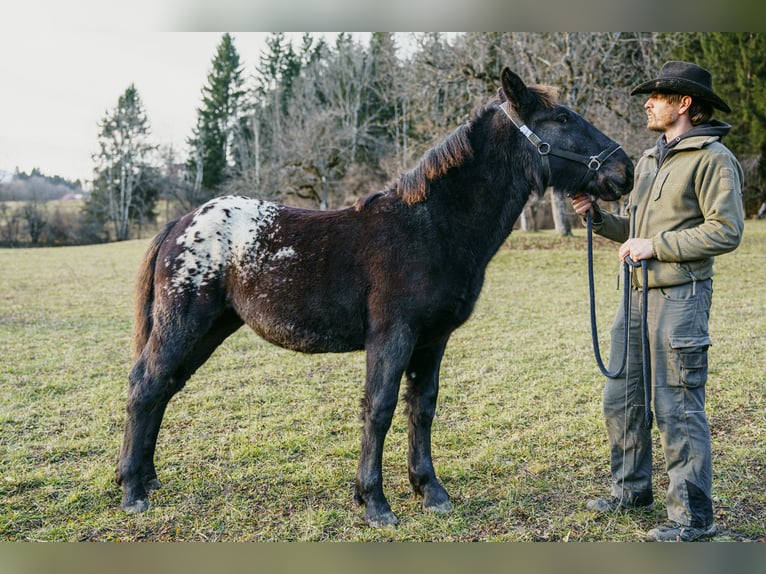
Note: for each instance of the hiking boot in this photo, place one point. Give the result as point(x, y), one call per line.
point(674, 532)
point(613, 503)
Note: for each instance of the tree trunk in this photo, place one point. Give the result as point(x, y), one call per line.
point(559, 212)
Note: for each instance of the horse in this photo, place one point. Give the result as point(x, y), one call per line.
point(393, 275)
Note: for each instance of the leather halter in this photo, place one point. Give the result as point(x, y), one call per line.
point(593, 162)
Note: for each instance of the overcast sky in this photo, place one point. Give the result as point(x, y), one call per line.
point(56, 86)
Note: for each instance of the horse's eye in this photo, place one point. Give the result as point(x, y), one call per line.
point(562, 118)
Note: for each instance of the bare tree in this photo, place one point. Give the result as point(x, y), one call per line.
point(10, 224)
point(35, 216)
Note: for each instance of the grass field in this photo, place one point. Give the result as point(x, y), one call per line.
point(262, 444)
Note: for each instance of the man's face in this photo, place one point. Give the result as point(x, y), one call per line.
point(662, 112)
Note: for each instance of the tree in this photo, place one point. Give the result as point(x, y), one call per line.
point(324, 130)
point(735, 59)
point(36, 218)
point(380, 100)
point(10, 224)
point(317, 129)
point(124, 192)
point(437, 94)
point(217, 140)
point(278, 68)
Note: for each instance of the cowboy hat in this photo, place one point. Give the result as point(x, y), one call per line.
point(683, 78)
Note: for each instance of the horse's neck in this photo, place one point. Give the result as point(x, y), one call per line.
point(483, 217)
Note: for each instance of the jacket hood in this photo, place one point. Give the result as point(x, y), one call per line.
point(714, 128)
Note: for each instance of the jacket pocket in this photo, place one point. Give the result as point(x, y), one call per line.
point(689, 361)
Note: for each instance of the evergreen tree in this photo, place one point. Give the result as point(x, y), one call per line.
point(735, 59)
point(278, 69)
point(381, 100)
point(219, 133)
point(124, 191)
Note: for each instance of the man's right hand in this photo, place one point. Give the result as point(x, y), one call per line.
point(582, 204)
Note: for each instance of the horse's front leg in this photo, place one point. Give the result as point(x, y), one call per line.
point(422, 391)
point(385, 365)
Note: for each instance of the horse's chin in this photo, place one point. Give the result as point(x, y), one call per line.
point(610, 190)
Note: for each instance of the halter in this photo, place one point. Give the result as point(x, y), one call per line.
point(593, 162)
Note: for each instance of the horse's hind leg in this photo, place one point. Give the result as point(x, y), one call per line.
point(149, 472)
point(150, 390)
point(160, 373)
point(422, 390)
point(224, 326)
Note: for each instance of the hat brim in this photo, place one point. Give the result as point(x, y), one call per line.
point(681, 86)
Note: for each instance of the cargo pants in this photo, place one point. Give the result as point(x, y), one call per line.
point(677, 322)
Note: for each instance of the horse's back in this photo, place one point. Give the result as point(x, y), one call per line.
point(317, 281)
point(291, 274)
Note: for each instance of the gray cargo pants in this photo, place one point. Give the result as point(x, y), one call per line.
point(678, 342)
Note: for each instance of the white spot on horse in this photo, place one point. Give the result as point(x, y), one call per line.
point(225, 231)
point(285, 253)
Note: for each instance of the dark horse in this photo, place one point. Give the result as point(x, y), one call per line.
point(394, 275)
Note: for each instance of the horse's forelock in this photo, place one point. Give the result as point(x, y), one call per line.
point(547, 96)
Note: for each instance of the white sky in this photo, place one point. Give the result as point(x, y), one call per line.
point(57, 85)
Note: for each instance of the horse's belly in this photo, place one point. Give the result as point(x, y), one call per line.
point(298, 338)
point(327, 332)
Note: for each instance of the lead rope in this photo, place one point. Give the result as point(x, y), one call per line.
point(647, 368)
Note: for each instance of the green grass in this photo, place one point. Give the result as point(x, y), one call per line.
point(262, 444)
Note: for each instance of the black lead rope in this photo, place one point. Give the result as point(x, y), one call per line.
point(647, 368)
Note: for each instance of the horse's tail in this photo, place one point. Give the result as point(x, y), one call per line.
point(142, 318)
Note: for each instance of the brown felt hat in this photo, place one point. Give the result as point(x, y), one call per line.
point(686, 79)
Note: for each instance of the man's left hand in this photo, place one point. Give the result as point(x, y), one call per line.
point(638, 248)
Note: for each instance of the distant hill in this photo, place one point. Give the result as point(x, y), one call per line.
point(36, 186)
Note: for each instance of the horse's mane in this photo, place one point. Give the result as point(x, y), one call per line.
point(413, 186)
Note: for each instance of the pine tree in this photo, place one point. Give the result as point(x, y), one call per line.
point(215, 156)
point(124, 190)
point(735, 59)
point(380, 100)
point(278, 69)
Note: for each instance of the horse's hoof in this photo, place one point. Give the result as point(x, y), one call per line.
point(441, 508)
point(140, 505)
point(382, 520)
point(152, 484)
point(436, 499)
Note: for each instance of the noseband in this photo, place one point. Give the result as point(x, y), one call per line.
point(593, 162)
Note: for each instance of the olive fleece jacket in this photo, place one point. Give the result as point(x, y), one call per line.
point(687, 198)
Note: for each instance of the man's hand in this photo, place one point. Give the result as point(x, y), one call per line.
point(638, 248)
point(582, 204)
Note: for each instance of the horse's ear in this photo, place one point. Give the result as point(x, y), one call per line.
point(514, 89)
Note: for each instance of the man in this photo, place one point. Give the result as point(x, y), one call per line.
point(685, 208)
